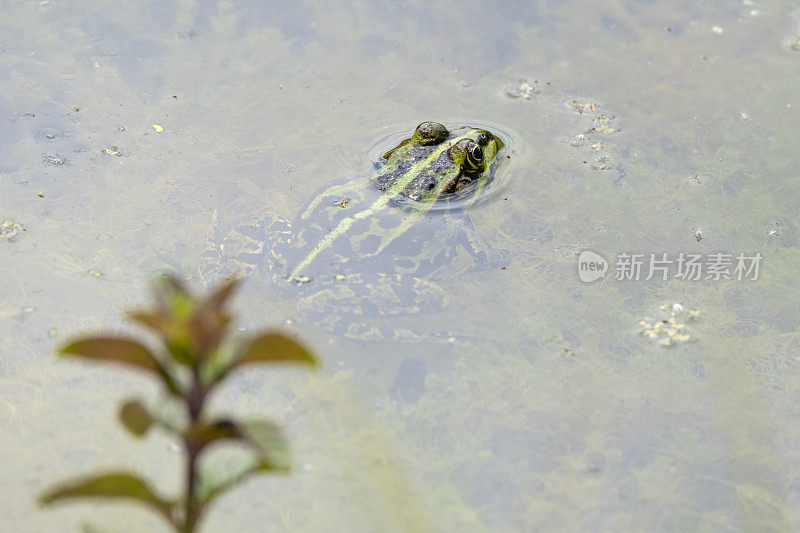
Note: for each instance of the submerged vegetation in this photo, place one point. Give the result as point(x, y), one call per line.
point(194, 359)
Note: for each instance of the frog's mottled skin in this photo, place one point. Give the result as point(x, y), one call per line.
point(357, 248)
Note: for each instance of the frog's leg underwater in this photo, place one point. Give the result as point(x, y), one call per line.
point(345, 195)
point(238, 251)
point(484, 255)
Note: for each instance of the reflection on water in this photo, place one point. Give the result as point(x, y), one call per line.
point(634, 124)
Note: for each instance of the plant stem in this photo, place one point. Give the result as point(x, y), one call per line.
point(190, 520)
point(194, 405)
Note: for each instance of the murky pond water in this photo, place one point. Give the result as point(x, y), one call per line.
point(644, 137)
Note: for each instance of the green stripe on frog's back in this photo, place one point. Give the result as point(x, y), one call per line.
point(396, 189)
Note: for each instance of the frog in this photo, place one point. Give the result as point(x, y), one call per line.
point(360, 249)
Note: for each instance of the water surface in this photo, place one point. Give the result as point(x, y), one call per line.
point(638, 127)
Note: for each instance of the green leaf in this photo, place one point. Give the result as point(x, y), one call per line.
point(173, 330)
point(169, 318)
point(220, 362)
point(190, 328)
point(110, 485)
point(212, 487)
point(172, 294)
point(268, 347)
point(264, 438)
point(268, 442)
point(135, 417)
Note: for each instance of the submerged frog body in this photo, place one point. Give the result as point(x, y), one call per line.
point(360, 248)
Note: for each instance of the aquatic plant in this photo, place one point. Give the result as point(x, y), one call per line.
point(195, 357)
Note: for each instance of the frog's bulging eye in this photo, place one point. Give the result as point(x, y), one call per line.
point(476, 153)
point(474, 158)
point(484, 137)
point(473, 162)
point(431, 133)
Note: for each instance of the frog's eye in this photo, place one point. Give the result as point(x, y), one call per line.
point(474, 159)
point(473, 162)
point(484, 137)
point(476, 153)
point(430, 133)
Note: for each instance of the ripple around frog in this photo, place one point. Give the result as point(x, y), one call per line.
point(465, 197)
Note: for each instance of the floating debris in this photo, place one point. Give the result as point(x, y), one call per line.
point(697, 233)
point(55, 160)
point(94, 273)
point(774, 229)
point(671, 330)
point(603, 124)
point(111, 150)
point(601, 163)
point(578, 140)
point(583, 106)
point(10, 229)
point(521, 89)
point(158, 128)
point(717, 29)
point(602, 121)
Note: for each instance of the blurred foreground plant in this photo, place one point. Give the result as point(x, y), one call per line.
point(193, 361)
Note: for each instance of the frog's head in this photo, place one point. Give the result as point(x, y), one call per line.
point(435, 163)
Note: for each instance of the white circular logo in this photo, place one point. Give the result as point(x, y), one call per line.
point(591, 266)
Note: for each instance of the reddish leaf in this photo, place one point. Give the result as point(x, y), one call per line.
point(123, 350)
point(201, 434)
point(221, 294)
point(275, 348)
point(112, 348)
point(155, 321)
